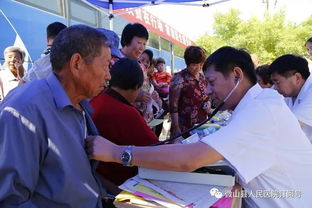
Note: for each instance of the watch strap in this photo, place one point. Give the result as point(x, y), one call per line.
point(126, 156)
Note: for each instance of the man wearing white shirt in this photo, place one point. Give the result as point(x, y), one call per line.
point(13, 69)
point(263, 141)
point(291, 77)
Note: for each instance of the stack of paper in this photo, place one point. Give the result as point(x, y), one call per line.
point(126, 200)
point(157, 193)
point(184, 177)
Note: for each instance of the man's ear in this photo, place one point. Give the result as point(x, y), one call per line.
point(298, 77)
point(238, 73)
point(76, 63)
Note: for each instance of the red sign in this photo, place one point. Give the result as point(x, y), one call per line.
point(155, 25)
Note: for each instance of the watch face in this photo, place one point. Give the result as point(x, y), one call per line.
point(125, 158)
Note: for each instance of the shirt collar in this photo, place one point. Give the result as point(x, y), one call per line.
point(122, 55)
point(188, 73)
point(192, 76)
point(253, 92)
point(9, 75)
point(304, 89)
point(116, 95)
point(60, 97)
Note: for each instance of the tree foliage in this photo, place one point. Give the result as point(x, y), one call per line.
point(268, 38)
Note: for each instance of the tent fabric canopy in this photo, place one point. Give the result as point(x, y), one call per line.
point(122, 4)
point(111, 5)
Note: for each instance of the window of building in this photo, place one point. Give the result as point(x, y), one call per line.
point(53, 6)
point(104, 20)
point(178, 50)
point(83, 13)
point(153, 40)
point(164, 44)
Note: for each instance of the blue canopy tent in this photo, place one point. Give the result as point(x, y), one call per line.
point(108, 6)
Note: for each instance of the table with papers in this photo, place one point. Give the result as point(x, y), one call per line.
point(155, 188)
point(139, 192)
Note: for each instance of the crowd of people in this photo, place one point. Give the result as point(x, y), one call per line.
point(75, 125)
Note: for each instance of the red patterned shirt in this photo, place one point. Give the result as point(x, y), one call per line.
point(187, 97)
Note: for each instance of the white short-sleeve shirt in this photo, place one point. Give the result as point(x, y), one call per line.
point(7, 82)
point(302, 107)
point(265, 145)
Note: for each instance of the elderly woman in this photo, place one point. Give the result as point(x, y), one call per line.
point(118, 120)
point(13, 69)
point(188, 97)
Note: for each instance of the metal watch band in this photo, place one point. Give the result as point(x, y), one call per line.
point(126, 156)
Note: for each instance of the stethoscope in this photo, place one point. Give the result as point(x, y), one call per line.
point(203, 122)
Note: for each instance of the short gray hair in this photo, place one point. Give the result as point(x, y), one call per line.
point(82, 39)
point(15, 49)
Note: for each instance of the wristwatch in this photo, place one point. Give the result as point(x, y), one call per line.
point(126, 156)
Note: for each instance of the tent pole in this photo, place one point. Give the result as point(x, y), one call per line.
point(111, 15)
point(172, 58)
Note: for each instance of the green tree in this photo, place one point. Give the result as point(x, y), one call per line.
point(225, 25)
point(268, 38)
point(211, 43)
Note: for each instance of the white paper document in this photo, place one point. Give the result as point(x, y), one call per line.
point(185, 177)
point(182, 194)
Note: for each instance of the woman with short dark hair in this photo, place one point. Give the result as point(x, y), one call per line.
point(118, 120)
point(188, 96)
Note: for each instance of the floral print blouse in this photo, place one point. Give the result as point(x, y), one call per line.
point(188, 97)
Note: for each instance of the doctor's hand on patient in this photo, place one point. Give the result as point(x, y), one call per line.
point(99, 148)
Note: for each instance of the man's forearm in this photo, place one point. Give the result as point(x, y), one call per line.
point(198, 155)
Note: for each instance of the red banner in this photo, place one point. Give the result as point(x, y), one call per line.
point(155, 25)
